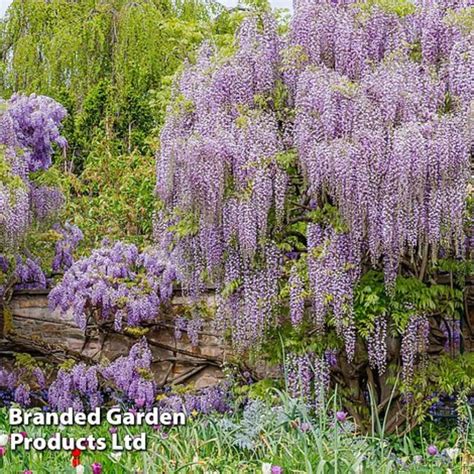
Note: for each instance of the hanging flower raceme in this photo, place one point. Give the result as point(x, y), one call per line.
point(71, 235)
point(220, 142)
point(307, 378)
point(395, 187)
point(28, 274)
point(83, 388)
point(296, 297)
point(333, 271)
point(414, 344)
point(377, 345)
point(29, 127)
point(46, 202)
point(131, 375)
point(32, 124)
point(22, 385)
point(77, 388)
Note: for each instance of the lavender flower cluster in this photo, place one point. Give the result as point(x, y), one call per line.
point(333, 270)
point(78, 389)
point(128, 380)
point(192, 327)
point(414, 344)
point(308, 378)
point(377, 345)
point(368, 128)
point(28, 274)
point(297, 300)
point(115, 282)
point(208, 400)
point(71, 235)
point(46, 201)
point(132, 376)
point(15, 385)
point(29, 126)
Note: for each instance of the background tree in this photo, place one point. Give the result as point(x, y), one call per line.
point(110, 64)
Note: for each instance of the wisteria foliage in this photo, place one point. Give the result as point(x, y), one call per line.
point(374, 102)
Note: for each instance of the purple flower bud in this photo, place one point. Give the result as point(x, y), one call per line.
point(113, 430)
point(341, 416)
point(277, 470)
point(432, 450)
point(3, 451)
point(96, 468)
point(304, 427)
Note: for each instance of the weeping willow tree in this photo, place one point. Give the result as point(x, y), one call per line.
point(103, 59)
point(110, 63)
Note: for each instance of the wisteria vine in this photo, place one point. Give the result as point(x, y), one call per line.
point(128, 381)
point(373, 104)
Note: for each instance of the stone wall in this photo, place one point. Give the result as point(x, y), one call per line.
point(175, 360)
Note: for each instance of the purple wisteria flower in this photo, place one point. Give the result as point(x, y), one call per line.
point(29, 274)
point(71, 235)
point(29, 126)
point(77, 388)
point(22, 395)
point(132, 376)
point(115, 282)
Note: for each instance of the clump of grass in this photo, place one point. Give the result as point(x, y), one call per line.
point(285, 434)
